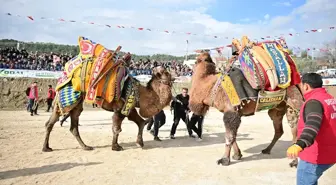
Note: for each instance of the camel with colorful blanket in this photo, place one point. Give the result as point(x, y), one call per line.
point(266, 79)
point(97, 75)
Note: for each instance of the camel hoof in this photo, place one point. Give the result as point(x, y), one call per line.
point(117, 148)
point(294, 163)
point(46, 149)
point(223, 161)
point(265, 151)
point(237, 156)
point(140, 143)
point(88, 148)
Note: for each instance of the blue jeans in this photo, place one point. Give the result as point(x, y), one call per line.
point(308, 173)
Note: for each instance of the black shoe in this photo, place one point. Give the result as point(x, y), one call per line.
point(157, 139)
point(31, 114)
point(172, 137)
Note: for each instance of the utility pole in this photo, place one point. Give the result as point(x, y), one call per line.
point(186, 57)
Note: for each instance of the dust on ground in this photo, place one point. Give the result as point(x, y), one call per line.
point(181, 161)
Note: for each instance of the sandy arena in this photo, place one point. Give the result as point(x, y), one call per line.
point(182, 161)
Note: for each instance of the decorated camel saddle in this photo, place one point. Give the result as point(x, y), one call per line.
point(267, 74)
point(95, 74)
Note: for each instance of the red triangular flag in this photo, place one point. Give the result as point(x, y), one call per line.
point(61, 19)
point(314, 30)
point(188, 33)
point(229, 46)
point(166, 31)
point(140, 28)
point(291, 34)
point(91, 22)
point(30, 17)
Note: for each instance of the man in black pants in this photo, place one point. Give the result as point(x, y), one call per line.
point(180, 105)
point(158, 120)
point(192, 124)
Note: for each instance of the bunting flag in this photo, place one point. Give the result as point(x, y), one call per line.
point(31, 18)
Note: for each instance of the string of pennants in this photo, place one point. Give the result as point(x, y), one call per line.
point(220, 49)
point(33, 18)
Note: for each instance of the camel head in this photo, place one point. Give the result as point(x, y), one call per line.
point(161, 75)
point(204, 57)
point(204, 65)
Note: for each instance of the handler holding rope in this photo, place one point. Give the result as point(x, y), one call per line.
point(316, 145)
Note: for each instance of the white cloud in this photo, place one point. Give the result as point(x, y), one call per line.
point(286, 3)
point(245, 20)
point(173, 15)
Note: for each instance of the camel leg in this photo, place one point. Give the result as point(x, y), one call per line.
point(49, 126)
point(134, 116)
point(237, 153)
point(117, 119)
point(74, 116)
point(292, 118)
point(276, 115)
point(232, 122)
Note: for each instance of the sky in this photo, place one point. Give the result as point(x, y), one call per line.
point(223, 18)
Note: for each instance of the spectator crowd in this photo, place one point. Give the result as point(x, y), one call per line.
point(12, 58)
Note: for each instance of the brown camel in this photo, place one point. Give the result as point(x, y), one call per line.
point(201, 98)
point(152, 99)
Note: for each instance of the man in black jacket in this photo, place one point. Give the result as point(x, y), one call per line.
point(180, 105)
point(158, 120)
point(192, 124)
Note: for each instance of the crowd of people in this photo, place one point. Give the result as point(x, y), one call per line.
point(12, 58)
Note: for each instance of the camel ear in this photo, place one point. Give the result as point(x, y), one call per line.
point(158, 70)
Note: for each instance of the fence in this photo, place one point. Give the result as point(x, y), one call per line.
point(20, 73)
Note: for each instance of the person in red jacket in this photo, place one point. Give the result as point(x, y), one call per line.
point(316, 144)
point(50, 97)
point(33, 99)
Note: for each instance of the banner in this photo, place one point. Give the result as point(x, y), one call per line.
point(329, 81)
point(21, 73)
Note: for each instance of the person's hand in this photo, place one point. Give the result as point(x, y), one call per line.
point(293, 151)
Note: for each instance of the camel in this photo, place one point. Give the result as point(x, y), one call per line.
point(202, 98)
point(152, 99)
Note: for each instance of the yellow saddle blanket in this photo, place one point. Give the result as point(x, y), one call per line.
point(85, 69)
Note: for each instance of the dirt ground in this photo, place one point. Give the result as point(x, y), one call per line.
point(182, 161)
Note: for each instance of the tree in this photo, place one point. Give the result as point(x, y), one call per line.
point(329, 53)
